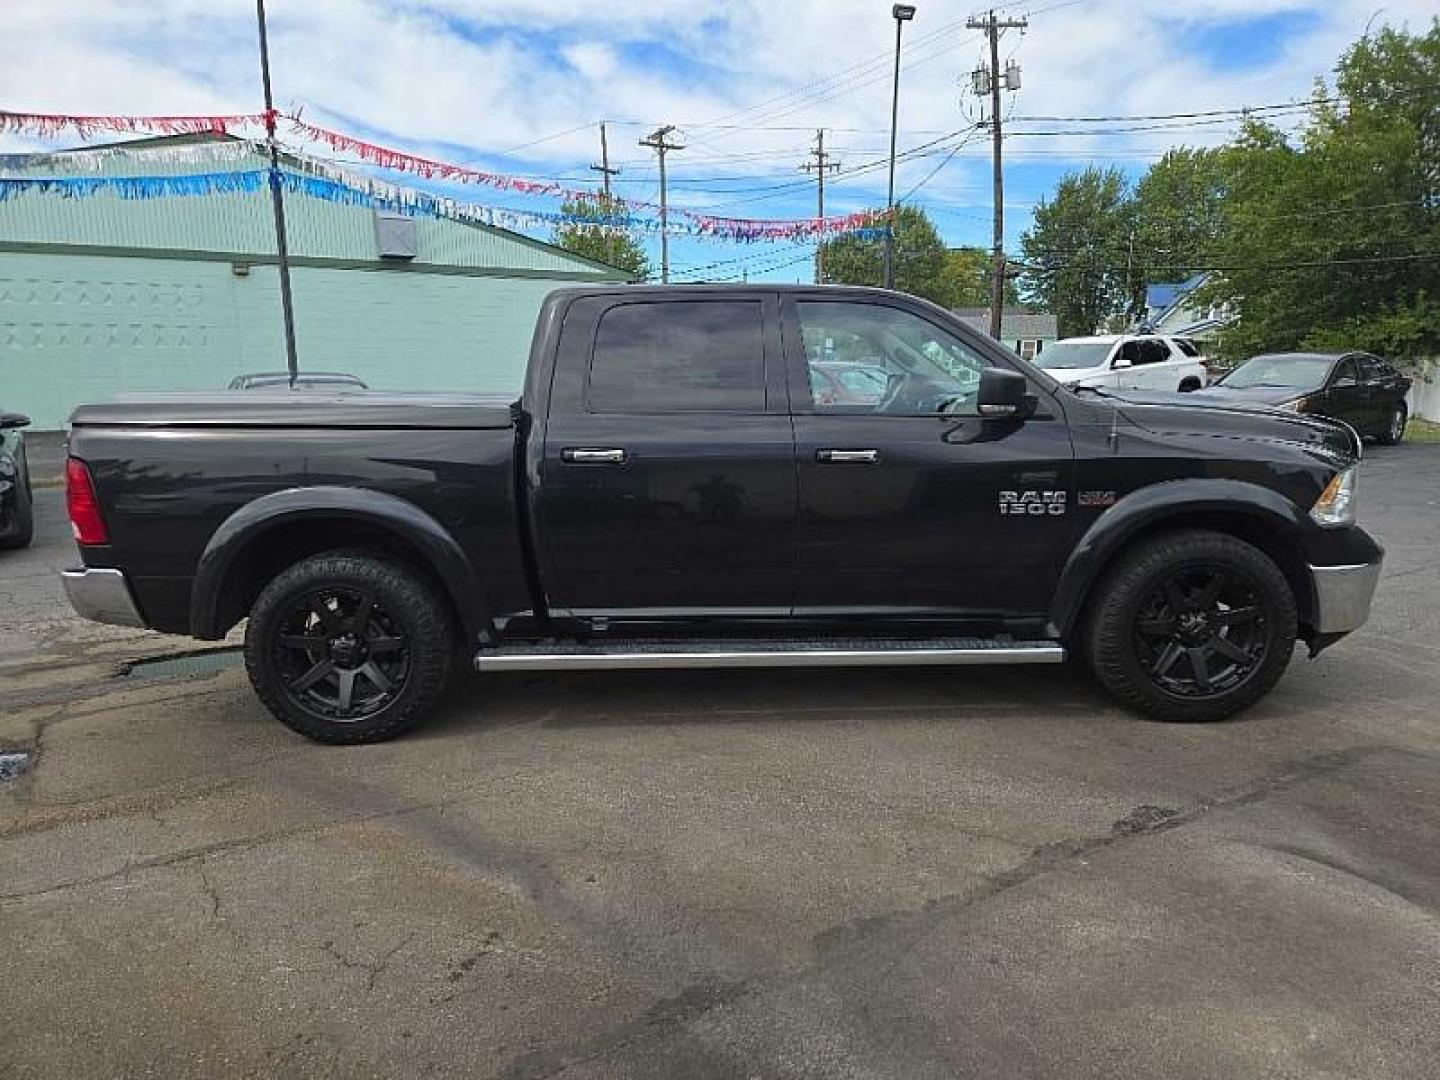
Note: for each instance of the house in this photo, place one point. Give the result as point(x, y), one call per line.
point(102, 294)
point(1175, 310)
point(1025, 331)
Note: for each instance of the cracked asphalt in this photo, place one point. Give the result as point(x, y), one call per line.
point(788, 874)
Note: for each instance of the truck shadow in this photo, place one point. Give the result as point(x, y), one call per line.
point(599, 699)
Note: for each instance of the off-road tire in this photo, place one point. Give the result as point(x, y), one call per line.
point(1394, 431)
point(409, 602)
point(1110, 635)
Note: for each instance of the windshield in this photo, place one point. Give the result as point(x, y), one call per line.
point(1295, 372)
point(1073, 354)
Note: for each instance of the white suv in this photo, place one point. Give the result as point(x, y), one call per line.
point(1123, 362)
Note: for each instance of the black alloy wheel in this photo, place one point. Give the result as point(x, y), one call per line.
point(1190, 625)
point(349, 646)
point(1201, 631)
point(341, 654)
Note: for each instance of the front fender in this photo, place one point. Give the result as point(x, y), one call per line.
point(1150, 506)
point(411, 524)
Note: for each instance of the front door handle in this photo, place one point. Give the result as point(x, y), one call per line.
point(593, 455)
point(848, 457)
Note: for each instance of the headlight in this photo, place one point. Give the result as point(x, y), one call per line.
point(1336, 505)
point(1299, 405)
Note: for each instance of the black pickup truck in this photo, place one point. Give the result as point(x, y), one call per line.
point(684, 482)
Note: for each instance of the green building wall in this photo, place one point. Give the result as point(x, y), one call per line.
point(78, 328)
point(103, 295)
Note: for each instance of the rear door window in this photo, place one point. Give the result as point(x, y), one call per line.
point(1150, 351)
point(679, 356)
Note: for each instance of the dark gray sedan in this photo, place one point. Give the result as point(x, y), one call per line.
point(1360, 389)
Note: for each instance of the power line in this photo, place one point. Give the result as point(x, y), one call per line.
point(1314, 263)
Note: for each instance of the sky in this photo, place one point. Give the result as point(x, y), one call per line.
point(520, 87)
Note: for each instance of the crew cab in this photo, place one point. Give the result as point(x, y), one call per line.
point(674, 487)
point(1125, 362)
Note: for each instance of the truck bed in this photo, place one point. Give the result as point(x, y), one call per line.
point(170, 469)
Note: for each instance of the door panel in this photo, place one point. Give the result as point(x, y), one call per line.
point(1346, 397)
point(668, 482)
point(910, 513)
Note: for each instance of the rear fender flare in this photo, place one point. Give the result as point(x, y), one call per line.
point(420, 531)
point(1150, 506)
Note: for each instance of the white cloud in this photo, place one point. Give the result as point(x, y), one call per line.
point(490, 75)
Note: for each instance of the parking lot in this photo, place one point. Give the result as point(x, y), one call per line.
point(909, 873)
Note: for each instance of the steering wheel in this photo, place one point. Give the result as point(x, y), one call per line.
point(891, 395)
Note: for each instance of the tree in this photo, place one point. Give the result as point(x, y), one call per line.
point(919, 266)
point(610, 245)
point(1336, 239)
point(965, 279)
point(1077, 248)
point(1177, 219)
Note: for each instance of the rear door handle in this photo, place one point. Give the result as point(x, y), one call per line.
point(848, 457)
point(593, 455)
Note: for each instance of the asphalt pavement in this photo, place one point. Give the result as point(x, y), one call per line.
point(787, 874)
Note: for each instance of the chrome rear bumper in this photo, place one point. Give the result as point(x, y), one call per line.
point(101, 596)
point(1343, 595)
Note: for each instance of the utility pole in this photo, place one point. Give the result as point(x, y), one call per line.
point(656, 140)
point(819, 167)
point(989, 81)
point(277, 199)
point(604, 168)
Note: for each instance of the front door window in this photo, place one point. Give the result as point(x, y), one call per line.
point(868, 358)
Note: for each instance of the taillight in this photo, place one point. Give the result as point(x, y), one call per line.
point(80, 500)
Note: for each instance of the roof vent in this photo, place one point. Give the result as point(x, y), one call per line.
point(395, 235)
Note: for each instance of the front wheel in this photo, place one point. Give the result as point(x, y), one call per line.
point(1191, 626)
point(346, 647)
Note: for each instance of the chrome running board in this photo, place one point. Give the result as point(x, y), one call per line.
point(619, 654)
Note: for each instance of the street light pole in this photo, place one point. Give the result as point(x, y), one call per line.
point(277, 199)
point(902, 13)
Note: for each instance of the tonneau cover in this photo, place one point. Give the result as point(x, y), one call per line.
point(299, 409)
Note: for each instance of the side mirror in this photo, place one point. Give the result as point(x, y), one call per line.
point(1003, 393)
point(1346, 383)
point(1120, 361)
point(13, 420)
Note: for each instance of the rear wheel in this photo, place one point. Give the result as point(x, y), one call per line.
point(1189, 385)
point(1395, 427)
point(1191, 626)
point(349, 648)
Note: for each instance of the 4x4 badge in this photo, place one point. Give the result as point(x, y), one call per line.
point(1095, 498)
point(1032, 502)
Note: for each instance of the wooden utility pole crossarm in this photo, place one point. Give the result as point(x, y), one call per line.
point(657, 140)
point(993, 27)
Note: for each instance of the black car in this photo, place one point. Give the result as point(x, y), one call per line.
point(16, 523)
point(305, 380)
point(1360, 389)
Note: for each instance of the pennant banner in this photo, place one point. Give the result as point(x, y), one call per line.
point(371, 193)
point(680, 220)
point(49, 125)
